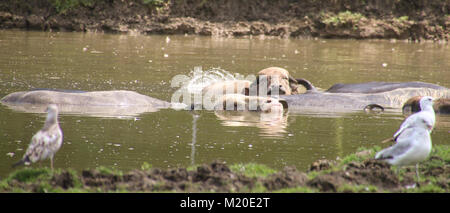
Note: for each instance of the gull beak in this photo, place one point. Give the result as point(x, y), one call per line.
point(429, 127)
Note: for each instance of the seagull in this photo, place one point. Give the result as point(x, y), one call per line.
point(46, 142)
point(413, 140)
point(426, 106)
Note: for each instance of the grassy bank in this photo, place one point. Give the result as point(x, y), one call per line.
point(357, 172)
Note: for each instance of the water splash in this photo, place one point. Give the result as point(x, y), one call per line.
point(200, 79)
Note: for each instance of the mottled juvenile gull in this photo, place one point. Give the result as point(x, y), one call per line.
point(413, 139)
point(46, 142)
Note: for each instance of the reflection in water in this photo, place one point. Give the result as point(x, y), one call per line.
point(339, 125)
point(195, 117)
point(270, 124)
point(443, 122)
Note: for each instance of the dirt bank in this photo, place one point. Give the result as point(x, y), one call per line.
point(354, 173)
point(414, 20)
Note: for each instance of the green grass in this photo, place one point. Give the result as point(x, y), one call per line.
point(252, 169)
point(192, 168)
point(428, 188)
point(157, 3)
point(301, 189)
point(443, 151)
point(357, 188)
point(355, 158)
point(146, 166)
point(28, 175)
point(402, 19)
point(342, 18)
point(108, 171)
point(62, 6)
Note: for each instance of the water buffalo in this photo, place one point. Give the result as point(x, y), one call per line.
point(217, 89)
point(336, 102)
point(275, 80)
point(97, 103)
point(368, 96)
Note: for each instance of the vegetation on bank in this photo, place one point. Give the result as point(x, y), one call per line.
point(356, 172)
point(413, 20)
point(61, 6)
point(342, 18)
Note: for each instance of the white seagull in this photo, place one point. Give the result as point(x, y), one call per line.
point(426, 106)
point(413, 139)
point(46, 142)
point(426, 109)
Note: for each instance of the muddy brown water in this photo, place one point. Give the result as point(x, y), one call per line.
point(170, 138)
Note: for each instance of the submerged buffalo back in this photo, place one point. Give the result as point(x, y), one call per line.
point(98, 98)
point(376, 87)
point(332, 102)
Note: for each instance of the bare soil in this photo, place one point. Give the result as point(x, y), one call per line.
point(371, 19)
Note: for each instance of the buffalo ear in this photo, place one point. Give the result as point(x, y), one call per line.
point(292, 80)
point(412, 105)
point(307, 84)
point(293, 83)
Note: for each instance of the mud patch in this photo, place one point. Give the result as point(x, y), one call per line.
point(64, 180)
point(215, 177)
point(321, 164)
point(288, 178)
point(370, 172)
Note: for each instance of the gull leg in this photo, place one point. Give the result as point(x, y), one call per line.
point(417, 172)
point(51, 163)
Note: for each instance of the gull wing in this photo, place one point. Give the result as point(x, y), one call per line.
point(407, 123)
point(404, 143)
